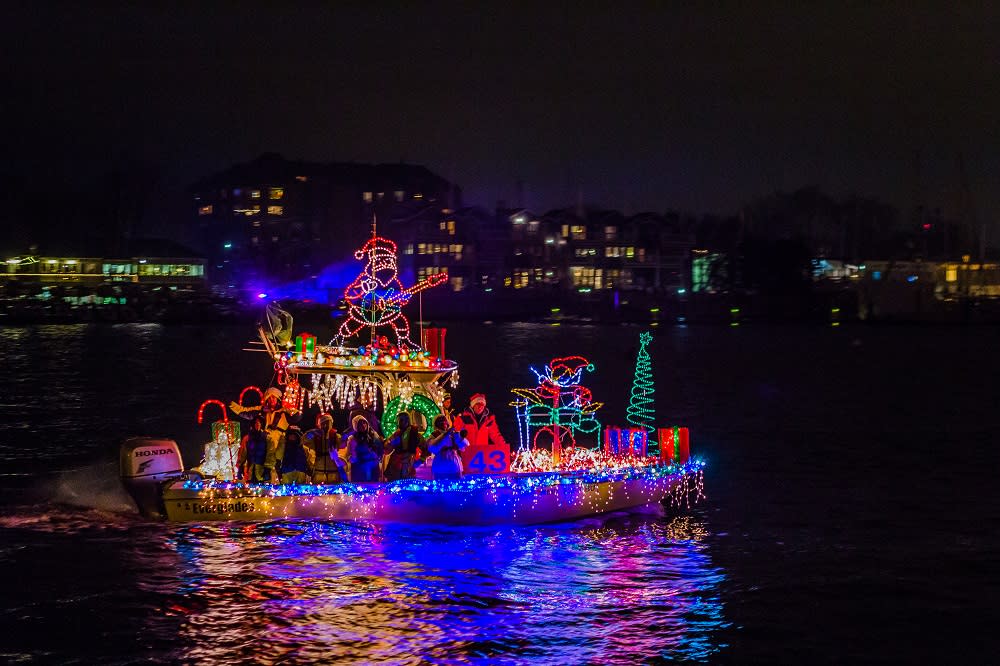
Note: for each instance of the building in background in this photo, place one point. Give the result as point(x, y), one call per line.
point(274, 221)
point(149, 262)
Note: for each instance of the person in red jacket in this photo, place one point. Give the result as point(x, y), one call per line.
point(480, 425)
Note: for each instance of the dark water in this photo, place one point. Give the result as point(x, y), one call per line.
point(852, 512)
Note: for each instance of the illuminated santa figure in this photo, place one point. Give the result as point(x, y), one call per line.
point(376, 297)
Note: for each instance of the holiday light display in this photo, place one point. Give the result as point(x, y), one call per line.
point(551, 477)
point(219, 459)
point(376, 297)
point(249, 389)
point(293, 396)
point(641, 412)
point(470, 500)
point(674, 444)
point(556, 408)
point(416, 403)
point(626, 441)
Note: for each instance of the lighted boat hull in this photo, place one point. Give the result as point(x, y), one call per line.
point(556, 500)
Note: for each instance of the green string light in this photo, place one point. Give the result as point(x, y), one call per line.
point(641, 413)
point(420, 403)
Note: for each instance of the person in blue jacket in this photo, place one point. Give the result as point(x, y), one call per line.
point(446, 444)
point(365, 449)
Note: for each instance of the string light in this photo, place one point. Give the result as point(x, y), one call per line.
point(293, 396)
point(248, 389)
point(376, 297)
point(506, 498)
point(557, 407)
point(418, 403)
point(641, 413)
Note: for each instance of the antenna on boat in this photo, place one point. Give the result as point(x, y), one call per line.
point(374, 234)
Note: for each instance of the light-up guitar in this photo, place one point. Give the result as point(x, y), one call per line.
point(379, 306)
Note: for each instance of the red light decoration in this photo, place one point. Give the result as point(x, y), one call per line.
point(222, 406)
point(293, 397)
point(248, 389)
point(376, 297)
point(675, 444)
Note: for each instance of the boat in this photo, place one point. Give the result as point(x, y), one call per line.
point(551, 477)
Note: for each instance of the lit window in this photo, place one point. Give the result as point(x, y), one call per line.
point(630, 252)
point(380, 195)
point(275, 210)
point(399, 195)
point(533, 226)
point(421, 248)
point(276, 193)
point(409, 249)
point(367, 196)
point(301, 179)
point(255, 194)
point(255, 223)
point(610, 233)
point(951, 275)
point(457, 283)
point(451, 227)
point(565, 231)
point(578, 232)
point(419, 196)
point(442, 225)
point(205, 210)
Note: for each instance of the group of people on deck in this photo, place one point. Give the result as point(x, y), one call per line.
point(276, 450)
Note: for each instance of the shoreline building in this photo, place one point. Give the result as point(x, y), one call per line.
point(272, 220)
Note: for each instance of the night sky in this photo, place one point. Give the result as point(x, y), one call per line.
point(637, 106)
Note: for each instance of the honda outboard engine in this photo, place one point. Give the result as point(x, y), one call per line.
point(146, 463)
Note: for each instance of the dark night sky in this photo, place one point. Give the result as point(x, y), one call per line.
point(640, 106)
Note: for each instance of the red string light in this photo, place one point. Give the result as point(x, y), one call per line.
point(222, 406)
point(376, 297)
point(260, 394)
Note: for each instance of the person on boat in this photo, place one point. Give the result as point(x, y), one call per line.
point(446, 409)
point(365, 448)
point(275, 423)
point(405, 445)
point(292, 457)
point(479, 423)
point(253, 452)
point(324, 441)
point(446, 444)
point(370, 416)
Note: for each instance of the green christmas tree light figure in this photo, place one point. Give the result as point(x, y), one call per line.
point(641, 413)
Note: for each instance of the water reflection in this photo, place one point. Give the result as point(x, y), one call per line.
point(631, 588)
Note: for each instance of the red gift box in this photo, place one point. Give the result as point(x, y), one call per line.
point(675, 444)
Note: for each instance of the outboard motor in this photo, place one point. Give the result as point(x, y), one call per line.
point(146, 463)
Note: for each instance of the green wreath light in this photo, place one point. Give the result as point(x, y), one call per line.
point(420, 403)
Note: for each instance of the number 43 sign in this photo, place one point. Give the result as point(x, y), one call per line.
point(490, 459)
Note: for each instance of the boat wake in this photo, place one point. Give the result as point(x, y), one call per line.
point(71, 501)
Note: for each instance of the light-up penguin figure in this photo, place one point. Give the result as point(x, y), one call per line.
point(376, 296)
